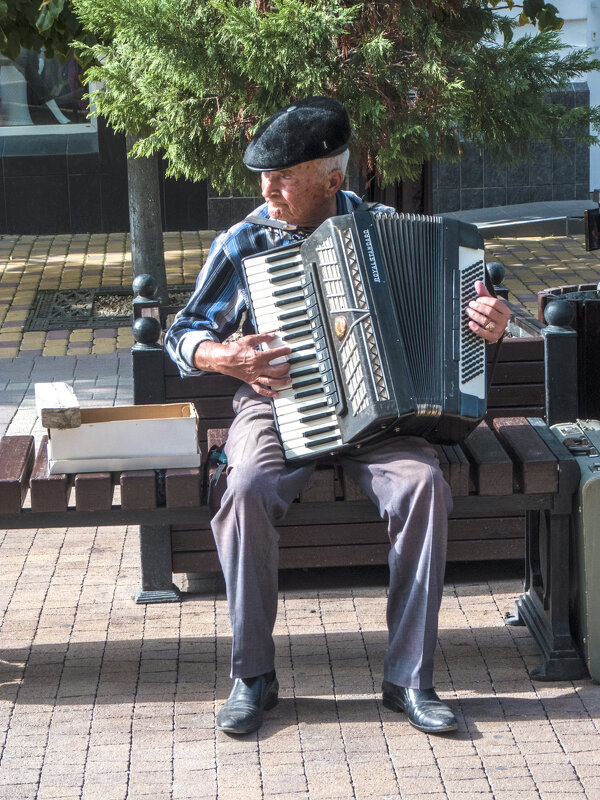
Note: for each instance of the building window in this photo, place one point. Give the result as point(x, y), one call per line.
point(40, 95)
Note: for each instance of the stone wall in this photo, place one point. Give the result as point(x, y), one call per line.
point(477, 181)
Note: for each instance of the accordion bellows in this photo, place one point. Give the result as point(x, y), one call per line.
point(373, 306)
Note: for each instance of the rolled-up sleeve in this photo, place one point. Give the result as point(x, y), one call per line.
point(212, 313)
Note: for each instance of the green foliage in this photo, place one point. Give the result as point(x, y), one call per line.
point(194, 78)
point(50, 25)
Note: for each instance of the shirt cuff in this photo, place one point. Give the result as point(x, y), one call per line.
point(187, 347)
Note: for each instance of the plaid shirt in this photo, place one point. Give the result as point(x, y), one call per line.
point(215, 309)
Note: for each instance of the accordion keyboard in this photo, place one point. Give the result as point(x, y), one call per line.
point(304, 414)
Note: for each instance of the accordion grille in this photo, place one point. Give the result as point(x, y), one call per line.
point(472, 349)
point(353, 372)
point(359, 293)
point(331, 278)
point(337, 299)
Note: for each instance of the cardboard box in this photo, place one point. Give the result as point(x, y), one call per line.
point(127, 437)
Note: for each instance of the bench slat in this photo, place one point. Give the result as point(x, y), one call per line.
point(529, 348)
point(458, 470)
point(336, 533)
point(527, 372)
point(138, 489)
point(48, 492)
point(183, 487)
point(535, 463)
point(348, 556)
point(516, 395)
point(320, 486)
point(492, 466)
point(16, 462)
point(93, 491)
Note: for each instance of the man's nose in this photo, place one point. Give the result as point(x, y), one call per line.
point(269, 182)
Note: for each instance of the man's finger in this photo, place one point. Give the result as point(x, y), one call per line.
point(482, 290)
point(487, 301)
point(267, 356)
point(254, 339)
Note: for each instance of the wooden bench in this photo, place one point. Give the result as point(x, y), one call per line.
point(500, 472)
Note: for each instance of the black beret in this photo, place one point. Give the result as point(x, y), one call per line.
point(314, 128)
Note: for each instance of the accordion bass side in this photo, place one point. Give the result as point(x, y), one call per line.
point(373, 307)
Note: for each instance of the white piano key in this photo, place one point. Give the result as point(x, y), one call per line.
point(290, 420)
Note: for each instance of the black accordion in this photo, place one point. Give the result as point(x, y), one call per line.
point(373, 307)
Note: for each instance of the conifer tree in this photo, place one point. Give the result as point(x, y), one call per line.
point(194, 79)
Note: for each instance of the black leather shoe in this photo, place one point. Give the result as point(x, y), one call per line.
point(243, 711)
point(424, 709)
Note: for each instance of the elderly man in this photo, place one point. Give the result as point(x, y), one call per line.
point(302, 153)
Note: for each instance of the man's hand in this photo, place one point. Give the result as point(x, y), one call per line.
point(488, 315)
point(243, 360)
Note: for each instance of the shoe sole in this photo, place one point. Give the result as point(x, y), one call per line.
point(270, 703)
point(394, 705)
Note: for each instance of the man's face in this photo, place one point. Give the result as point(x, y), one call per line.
point(298, 194)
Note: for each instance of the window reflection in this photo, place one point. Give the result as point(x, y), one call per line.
point(35, 90)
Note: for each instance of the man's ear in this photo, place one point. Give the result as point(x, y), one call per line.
point(335, 179)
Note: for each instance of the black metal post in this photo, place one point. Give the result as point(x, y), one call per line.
point(560, 363)
point(157, 570)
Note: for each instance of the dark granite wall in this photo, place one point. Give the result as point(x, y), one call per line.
point(78, 184)
point(477, 181)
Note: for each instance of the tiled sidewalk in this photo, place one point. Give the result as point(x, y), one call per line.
point(32, 263)
point(536, 263)
point(105, 700)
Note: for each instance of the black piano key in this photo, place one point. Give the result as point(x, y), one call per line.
point(305, 346)
point(279, 255)
point(300, 359)
point(291, 314)
point(288, 301)
point(308, 393)
point(319, 442)
point(313, 417)
point(300, 373)
point(306, 382)
point(312, 407)
point(291, 326)
point(287, 290)
point(280, 267)
point(285, 277)
point(319, 431)
point(289, 337)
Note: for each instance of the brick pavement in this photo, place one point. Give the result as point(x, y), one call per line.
point(80, 261)
point(101, 698)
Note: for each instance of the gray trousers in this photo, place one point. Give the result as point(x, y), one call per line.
point(402, 477)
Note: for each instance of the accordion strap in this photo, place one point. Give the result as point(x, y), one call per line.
point(267, 222)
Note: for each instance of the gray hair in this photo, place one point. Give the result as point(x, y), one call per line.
point(340, 161)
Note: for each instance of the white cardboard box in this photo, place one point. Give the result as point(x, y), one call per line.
point(127, 437)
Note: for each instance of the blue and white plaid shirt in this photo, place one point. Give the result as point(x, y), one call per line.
point(215, 309)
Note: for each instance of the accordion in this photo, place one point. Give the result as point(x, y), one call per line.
point(373, 307)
